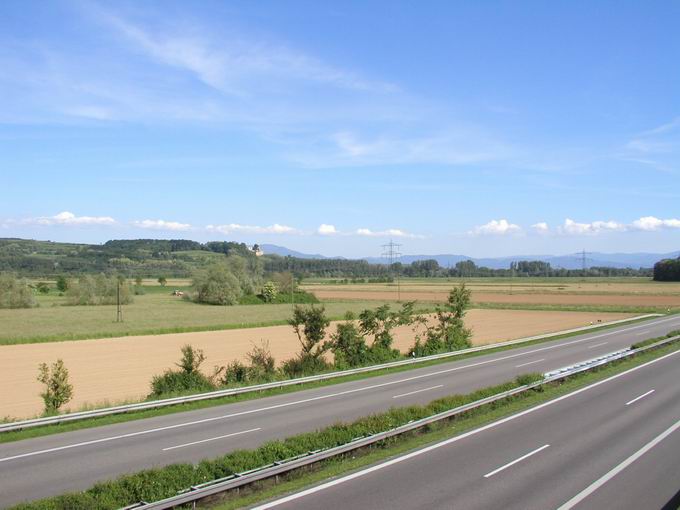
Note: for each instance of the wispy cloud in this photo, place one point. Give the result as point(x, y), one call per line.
point(658, 147)
point(235, 228)
point(228, 64)
point(448, 147)
point(390, 232)
point(161, 225)
point(63, 218)
point(496, 227)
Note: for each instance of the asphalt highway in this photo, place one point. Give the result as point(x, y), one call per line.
point(55, 464)
point(612, 445)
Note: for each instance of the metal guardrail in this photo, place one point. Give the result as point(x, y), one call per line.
point(154, 404)
point(235, 481)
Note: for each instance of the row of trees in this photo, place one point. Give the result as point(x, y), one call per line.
point(353, 269)
point(667, 270)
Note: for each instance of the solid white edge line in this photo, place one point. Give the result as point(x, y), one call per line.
point(598, 345)
point(530, 363)
point(455, 439)
point(638, 398)
point(611, 474)
point(211, 439)
point(520, 459)
point(418, 391)
point(321, 397)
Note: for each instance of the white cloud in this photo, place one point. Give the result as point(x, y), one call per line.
point(326, 230)
point(390, 232)
point(651, 223)
point(596, 227)
point(66, 218)
point(496, 227)
point(251, 229)
point(541, 227)
point(162, 225)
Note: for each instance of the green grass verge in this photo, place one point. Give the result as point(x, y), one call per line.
point(150, 485)
point(46, 430)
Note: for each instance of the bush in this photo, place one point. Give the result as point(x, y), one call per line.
point(43, 288)
point(217, 286)
point(302, 365)
point(262, 363)
point(269, 292)
point(189, 378)
point(58, 391)
point(348, 345)
point(15, 292)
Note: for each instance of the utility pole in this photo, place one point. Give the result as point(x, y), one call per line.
point(119, 308)
point(391, 251)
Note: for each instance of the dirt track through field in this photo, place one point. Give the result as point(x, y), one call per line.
point(490, 297)
point(118, 369)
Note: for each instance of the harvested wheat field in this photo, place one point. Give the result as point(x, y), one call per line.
point(118, 369)
point(505, 298)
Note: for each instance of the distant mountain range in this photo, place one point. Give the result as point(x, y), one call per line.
point(620, 260)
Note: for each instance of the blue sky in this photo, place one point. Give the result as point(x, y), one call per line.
point(481, 128)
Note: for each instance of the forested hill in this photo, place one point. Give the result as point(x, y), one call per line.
point(181, 258)
point(143, 257)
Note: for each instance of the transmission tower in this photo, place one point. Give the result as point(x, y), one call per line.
point(392, 253)
point(583, 254)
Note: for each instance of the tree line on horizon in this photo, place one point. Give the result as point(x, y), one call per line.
point(181, 258)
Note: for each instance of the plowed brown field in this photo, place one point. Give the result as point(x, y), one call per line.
point(118, 369)
point(492, 297)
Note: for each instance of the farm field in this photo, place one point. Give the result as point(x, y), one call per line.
point(154, 312)
point(119, 369)
point(615, 292)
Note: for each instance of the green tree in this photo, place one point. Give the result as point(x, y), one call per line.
point(15, 292)
point(310, 326)
point(448, 332)
point(162, 280)
point(381, 321)
point(139, 281)
point(62, 283)
point(217, 286)
point(58, 390)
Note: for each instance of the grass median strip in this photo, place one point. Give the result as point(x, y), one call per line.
point(149, 413)
point(151, 485)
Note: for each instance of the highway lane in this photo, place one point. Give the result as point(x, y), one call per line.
point(614, 444)
point(75, 460)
